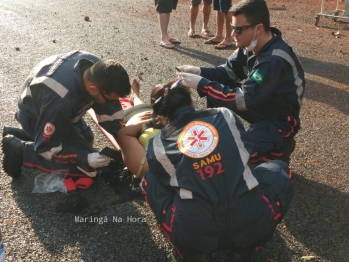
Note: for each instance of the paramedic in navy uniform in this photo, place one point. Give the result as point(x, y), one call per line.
point(262, 81)
point(54, 98)
point(204, 192)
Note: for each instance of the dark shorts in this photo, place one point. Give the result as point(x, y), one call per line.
point(222, 5)
point(198, 2)
point(165, 6)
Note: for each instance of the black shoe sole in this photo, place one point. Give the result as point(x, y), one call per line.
point(17, 132)
point(13, 160)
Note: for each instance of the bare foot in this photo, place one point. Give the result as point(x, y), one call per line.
point(165, 40)
point(135, 86)
point(191, 33)
point(135, 97)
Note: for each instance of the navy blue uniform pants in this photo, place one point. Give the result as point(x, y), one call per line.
point(194, 225)
point(80, 137)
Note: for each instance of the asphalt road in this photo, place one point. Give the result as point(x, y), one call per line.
point(317, 223)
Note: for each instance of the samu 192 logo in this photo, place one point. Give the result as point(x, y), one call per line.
point(198, 139)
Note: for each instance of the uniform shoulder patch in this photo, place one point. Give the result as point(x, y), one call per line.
point(49, 129)
point(257, 77)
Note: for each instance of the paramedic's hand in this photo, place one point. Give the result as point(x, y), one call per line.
point(190, 80)
point(96, 160)
point(190, 69)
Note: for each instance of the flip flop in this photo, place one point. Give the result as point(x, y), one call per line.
point(167, 46)
point(191, 34)
point(205, 32)
point(211, 42)
point(222, 46)
point(174, 40)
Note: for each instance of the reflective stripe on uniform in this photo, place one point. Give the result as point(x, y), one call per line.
point(46, 62)
point(161, 157)
point(298, 81)
point(82, 112)
point(59, 61)
point(250, 180)
point(58, 88)
point(185, 194)
point(300, 91)
point(106, 118)
point(48, 154)
point(240, 100)
point(26, 92)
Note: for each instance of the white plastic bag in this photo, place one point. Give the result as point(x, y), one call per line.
point(53, 182)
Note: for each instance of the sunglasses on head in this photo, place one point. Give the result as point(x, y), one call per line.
point(175, 84)
point(239, 29)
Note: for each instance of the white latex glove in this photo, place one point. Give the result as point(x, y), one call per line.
point(190, 69)
point(190, 80)
point(96, 160)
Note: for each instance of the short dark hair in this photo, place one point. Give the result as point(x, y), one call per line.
point(167, 100)
point(109, 76)
point(256, 12)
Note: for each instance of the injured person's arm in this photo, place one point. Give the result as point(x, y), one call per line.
point(133, 151)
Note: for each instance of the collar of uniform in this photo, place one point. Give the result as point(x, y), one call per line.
point(182, 111)
point(85, 96)
point(276, 35)
point(177, 116)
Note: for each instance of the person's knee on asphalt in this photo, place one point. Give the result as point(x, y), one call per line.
point(204, 192)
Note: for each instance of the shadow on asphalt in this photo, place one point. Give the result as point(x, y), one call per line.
point(100, 237)
point(203, 56)
point(322, 92)
point(326, 94)
point(333, 71)
point(318, 218)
